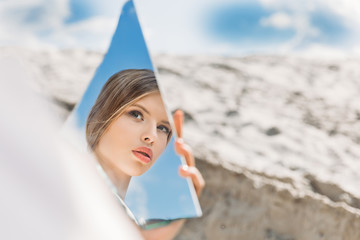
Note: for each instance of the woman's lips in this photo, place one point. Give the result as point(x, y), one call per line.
point(144, 154)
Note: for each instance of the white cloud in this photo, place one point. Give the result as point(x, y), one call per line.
point(182, 33)
point(299, 16)
point(41, 24)
point(299, 22)
point(279, 20)
point(347, 9)
point(21, 21)
point(35, 14)
point(94, 33)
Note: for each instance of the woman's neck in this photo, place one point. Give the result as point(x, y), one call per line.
point(118, 178)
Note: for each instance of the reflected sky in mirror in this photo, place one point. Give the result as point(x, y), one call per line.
point(146, 195)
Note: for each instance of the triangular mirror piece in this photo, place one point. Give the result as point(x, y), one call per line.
point(113, 100)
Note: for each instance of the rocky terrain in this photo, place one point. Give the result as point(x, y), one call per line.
point(276, 137)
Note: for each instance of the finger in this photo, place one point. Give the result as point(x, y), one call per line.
point(196, 177)
point(179, 121)
point(185, 150)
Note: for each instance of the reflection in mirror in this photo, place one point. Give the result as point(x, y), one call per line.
point(123, 121)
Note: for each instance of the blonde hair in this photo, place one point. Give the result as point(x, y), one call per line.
point(121, 90)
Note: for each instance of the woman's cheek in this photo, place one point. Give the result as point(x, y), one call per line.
point(163, 145)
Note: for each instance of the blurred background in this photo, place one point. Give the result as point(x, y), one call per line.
point(186, 27)
point(270, 89)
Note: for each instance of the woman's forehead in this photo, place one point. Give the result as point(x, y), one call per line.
point(150, 99)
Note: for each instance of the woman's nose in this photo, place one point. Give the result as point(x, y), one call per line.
point(149, 135)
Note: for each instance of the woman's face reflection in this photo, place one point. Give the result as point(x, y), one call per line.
point(134, 141)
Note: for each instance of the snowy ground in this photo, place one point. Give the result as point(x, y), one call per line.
point(286, 117)
point(295, 120)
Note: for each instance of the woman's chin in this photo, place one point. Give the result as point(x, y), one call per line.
point(136, 172)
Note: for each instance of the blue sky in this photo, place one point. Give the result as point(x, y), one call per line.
point(80, 10)
point(240, 22)
point(225, 27)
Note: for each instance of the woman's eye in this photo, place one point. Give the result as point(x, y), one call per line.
point(164, 129)
point(136, 114)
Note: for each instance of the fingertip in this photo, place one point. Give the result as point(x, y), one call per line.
point(182, 174)
point(178, 121)
point(179, 113)
point(179, 141)
point(184, 170)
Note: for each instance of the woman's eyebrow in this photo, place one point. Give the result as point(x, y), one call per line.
point(145, 110)
point(166, 122)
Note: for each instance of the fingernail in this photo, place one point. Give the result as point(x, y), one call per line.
point(185, 167)
point(179, 112)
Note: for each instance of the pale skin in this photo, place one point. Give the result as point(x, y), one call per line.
point(144, 124)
